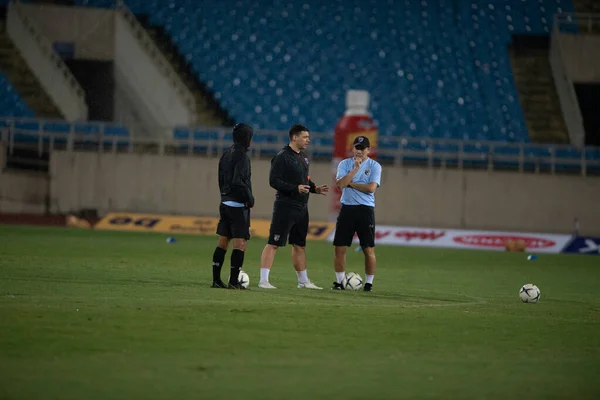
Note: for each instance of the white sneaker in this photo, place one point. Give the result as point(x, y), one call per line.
point(265, 285)
point(308, 285)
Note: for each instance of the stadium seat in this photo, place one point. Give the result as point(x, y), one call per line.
point(11, 103)
point(435, 68)
point(409, 55)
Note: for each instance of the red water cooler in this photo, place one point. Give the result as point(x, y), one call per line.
point(356, 121)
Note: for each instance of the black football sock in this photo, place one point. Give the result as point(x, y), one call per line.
point(237, 260)
point(218, 259)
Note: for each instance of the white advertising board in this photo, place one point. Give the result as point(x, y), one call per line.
point(465, 239)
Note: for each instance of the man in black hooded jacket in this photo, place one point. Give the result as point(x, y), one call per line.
point(234, 210)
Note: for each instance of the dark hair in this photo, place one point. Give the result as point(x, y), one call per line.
point(296, 129)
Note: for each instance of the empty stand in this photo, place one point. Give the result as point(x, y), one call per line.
point(435, 68)
point(438, 71)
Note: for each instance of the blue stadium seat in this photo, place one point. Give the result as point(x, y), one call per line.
point(11, 103)
point(210, 135)
point(115, 130)
point(181, 133)
point(56, 127)
point(81, 128)
point(565, 152)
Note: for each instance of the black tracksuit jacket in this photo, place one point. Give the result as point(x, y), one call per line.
point(288, 170)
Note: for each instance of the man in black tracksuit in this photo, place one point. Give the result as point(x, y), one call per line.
point(234, 210)
point(289, 176)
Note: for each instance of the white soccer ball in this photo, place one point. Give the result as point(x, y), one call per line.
point(529, 293)
point(244, 279)
point(353, 281)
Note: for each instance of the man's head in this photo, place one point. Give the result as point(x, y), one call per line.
point(299, 137)
point(242, 134)
point(361, 147)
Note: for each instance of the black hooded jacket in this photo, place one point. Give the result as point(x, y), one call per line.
point(234, 168)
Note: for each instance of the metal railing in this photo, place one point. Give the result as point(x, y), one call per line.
point(33, 136)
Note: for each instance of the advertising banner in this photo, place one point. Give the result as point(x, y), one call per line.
point(583, 245)
point(452, 238)
point(384, 235)
point(194, 225)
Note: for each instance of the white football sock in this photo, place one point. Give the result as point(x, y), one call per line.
point(302, 276)
point(264, 274)
point(339, 276)
point(370, 279)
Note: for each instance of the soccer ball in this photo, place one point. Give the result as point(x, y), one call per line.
point(529, 293)
point(353, 281)
point(243, 279)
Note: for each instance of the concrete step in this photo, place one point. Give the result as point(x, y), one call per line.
point(23, 79)
point(550, 137)
point(540, 112)
point(546, 126)
point(532, 80)
point(204, 114)
point(533, 73)
point(543, 129)
point(539, 101)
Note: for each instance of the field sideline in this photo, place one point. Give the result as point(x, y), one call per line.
point(112, 315)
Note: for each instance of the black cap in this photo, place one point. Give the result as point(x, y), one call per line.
point(362, 141)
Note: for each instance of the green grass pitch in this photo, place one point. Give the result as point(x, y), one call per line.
point(111, 315)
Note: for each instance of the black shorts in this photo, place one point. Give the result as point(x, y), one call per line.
point(234, 222)
point(355, 219)
point(288, 220)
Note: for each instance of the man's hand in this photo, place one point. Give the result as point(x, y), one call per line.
point(357, 163)
point(303, 189)
point(321, 189)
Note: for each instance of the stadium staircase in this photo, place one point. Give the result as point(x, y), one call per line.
point(208, 110)
point(587, 6)
point(535, 85)
point(23, 79)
